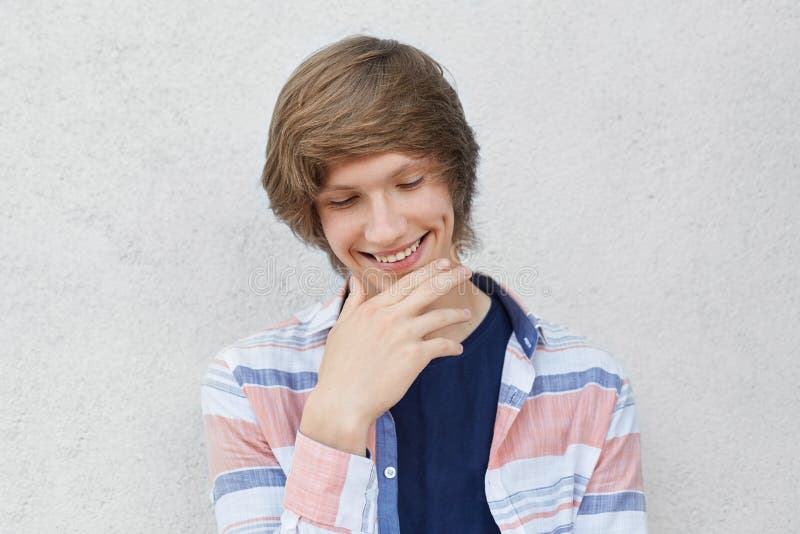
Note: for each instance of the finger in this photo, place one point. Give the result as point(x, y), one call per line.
point(356, 297)
point(436, 319)
point(434, 288)
point(440, 347)
point(405, 285)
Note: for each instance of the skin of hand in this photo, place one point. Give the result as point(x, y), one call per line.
point(375, 351)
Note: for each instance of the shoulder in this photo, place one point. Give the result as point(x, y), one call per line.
point(288, 346)
point(565, 360)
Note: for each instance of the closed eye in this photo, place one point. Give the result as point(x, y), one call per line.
point(341, 203)
point(413, 184)
point(348, 201)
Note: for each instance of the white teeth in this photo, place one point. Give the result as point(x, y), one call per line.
point(400, 255)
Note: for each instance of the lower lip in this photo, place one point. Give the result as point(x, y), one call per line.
point(403, 264)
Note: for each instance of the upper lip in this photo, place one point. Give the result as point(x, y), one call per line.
point(395, 251)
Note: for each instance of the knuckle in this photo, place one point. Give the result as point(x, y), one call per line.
point(450, 316)
point(410, 352)
point(401, 331)
point(441, 283)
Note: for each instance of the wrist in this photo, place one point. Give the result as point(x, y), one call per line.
point(325, 422)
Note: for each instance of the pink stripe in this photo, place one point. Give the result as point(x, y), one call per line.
point(279, 411)
point(548, 424)
point(338, 296)
point(290, 347)
point(249, 521)
point(516, 354)
point(282, 324)
point(560, 349)
point(328, 528)
point(503, 418)
point(316, 480)
point(619, 467)
point(235, 444)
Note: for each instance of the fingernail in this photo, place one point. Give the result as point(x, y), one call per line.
point(442, 263)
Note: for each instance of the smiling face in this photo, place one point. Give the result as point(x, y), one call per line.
point(386, 215)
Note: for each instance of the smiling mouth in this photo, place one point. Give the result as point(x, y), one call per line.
point(394, 258)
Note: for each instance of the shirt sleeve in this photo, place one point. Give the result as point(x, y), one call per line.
point(327, 490)
point(614, 501)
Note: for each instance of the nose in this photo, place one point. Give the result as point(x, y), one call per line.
point(386, 225)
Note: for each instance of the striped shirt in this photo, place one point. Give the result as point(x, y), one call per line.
point(565, 453)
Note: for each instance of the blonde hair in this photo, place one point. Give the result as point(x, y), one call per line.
point(362, 96)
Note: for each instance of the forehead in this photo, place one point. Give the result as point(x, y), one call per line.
point(371, 170)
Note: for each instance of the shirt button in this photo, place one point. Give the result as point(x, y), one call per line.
point(390, 472)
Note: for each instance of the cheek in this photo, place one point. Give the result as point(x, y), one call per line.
point(435, 203)
point(443, 207)
point(341, 231)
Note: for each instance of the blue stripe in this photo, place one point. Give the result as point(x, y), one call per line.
point(629, 501)
point(618, 408)
point(388, 488)
point(247, 479)
point(577, 380)
point(224, 387)
point(272, 377)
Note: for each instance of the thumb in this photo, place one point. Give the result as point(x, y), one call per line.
point(355, 298)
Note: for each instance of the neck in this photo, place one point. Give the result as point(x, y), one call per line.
point(465, 295)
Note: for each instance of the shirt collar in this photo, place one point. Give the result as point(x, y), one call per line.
point(526, 325)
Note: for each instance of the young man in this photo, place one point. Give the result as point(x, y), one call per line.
point(422, 397)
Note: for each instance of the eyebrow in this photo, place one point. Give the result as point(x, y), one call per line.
point(395, 173)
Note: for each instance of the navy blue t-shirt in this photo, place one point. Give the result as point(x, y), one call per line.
point(444, 427)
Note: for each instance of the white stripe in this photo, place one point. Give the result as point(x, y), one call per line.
point(284, 456)
point(573, 360)
point(518, 372)
point(542, 472)
point(216, 402)
point(218, 372)
point(359, 496)
point(613, 523)
point(624, 421)
point(246, 504)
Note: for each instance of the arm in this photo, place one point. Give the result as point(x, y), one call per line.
point(614, 501)
point(372, 355)
point(327, 490)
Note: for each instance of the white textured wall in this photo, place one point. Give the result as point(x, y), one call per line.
point(643, 157)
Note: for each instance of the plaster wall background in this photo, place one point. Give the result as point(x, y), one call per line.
point(642, 158)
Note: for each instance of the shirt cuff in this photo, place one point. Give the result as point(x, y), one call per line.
point(332, 487)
